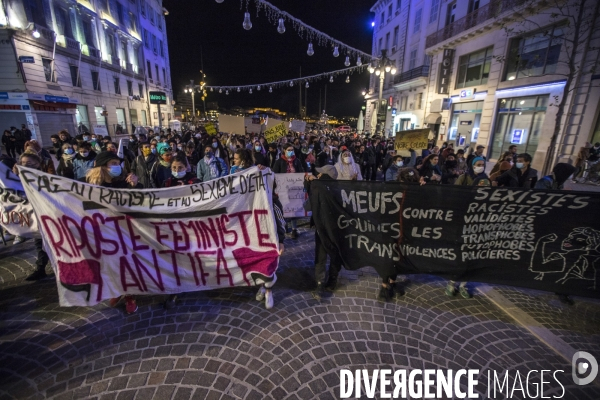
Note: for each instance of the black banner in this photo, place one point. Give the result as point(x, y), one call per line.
point(546, 240)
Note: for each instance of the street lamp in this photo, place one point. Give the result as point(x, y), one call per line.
point(192, 88)
point(382, 67)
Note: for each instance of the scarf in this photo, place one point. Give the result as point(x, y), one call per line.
point(290, 164)
point(68, 157)
point(211, 162)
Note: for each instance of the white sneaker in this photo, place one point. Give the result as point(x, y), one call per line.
point(269, 299)
point(260, 295)
point(19, 239)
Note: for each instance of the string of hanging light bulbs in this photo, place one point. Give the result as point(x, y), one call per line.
point(306, 32)
point(291, 82)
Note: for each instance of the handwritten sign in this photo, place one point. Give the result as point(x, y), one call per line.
point(276, 132)
point(105, 242)
point(232, 124)
point(416, 139)
point(16, 213)
point(290, 189)
point(210, 129)
point(298, 126)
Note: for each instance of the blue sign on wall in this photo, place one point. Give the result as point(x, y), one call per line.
point(26, 59)
point(56, 99)
point(517, 136)
point(25, 107)
point(4, 95)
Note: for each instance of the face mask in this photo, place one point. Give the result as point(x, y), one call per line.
point(399, 163)
point(289, 153)
point(198, 136)
point(69, 151)
point(346, 160)
point(178, 175)
point(85, 154)
point(179, 148)
point(478, 170)
point(215, 145)
point(85, 138)
point(302, 137)
point(146, 152)
point(451, 164)
point(93, 138)
point(208, 154)
point(519, 165)
point(257, 148)
point(154, 151)
point(114, 170)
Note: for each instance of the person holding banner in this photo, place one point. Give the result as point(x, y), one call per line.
point(430, 170)
point(161, 170)
point(142, 165)
point(242, 159)
point(289, 164)
point(47, 164)
point(346, 168)
point(65, 164)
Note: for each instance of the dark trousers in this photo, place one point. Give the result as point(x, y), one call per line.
point(370, 173)
point(335, 264)
point(19, 147)
point(10, 150)
point(42, 257)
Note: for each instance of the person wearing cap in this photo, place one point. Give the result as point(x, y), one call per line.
point(520, 175)
point(327, 172)
point(108, 172)
point(556, 180)
point(161, 170)
point(476, 175)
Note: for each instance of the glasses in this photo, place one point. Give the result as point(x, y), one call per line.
point(30, 165)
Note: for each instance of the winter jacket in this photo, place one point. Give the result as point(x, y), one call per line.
point(141, 167)
point(515, 178)
point(203, 170)
point(82, 165)
point(281, 165)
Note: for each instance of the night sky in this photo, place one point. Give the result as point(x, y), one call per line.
point(234, 56)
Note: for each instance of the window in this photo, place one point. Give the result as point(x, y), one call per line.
point(96, 80)
point(149, 68)
point(474, 68)
point(154, 44)
point(435, 7)
point(151, 14)
point(124, 50)
point(75, 75)
point(110, 43)
point(144, 119)
point(451, 14)
point(165, 75)
point(387, 41)
point(419, 101)
point(117, 82)
point(130, 88)
point(132, 23)
point(120, 13)
point(412, 63)
point(380, 45)
point(395, 40)
point(535, 54)
point(418, 14)
point(87, 32)
point(157, 75)
point(36, 12)
point(390, 12)
point(382, 18)
point(63, 22)
point(147, 39)
point(161, 49)
point(141, 90)
point(47, 63)
point(143, 9)
point(159, 21)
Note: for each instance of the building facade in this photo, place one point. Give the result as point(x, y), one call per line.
point(78, 65)
point(496, 71)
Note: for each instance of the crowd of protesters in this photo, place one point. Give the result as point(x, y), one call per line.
point(167, 158)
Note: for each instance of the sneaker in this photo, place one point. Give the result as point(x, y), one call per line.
point(19, 239)
point(450, 291)
point(464, 292)
point(295, 234)
point(130, 305)
point(37, 275)
point(269, 299)
point(169, 304)
point(316, 294)
point(115, 301)
point(260, 295)
point(331, 283)
point(385, 293)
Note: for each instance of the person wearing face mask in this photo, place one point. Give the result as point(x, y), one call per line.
point(143, 164)
point(161, 169)
point(449, 172)
point(520, 175)
point(272, 156)
point(391, 174)
point(476, 176)
point(107, 172)
point(65, 164)
point(47, 164)
point(506, 156)
point(83, 161)
point(220, 152)
point(346, 168)
point(257, 153)
point(210, 166)
point(179, 174)
point(191, 155)
point(289, 164)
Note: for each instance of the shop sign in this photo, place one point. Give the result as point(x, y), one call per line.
point(56, 99)
point(443, 82)
point(467, 94)
point(26, 59)
point(517, 136)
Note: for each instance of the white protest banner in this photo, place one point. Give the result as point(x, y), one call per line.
point(105, 242)
point(122, 143)
point(100, 129)
point(298, 126)
point(231, 124)
point(16, 213)
point(290, 189)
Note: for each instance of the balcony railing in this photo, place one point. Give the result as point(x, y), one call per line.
point(479, 16)
point(72, 44)
point(422, 71)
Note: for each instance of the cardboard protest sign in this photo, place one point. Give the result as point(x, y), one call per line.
point(276, 132)
point(545, 240)
point(105, 242)
point(210, 129)
point(298, 126)
point(415, 139)
point(290, 189)
point(16, 213)
point(122, 143)
point(231, 124)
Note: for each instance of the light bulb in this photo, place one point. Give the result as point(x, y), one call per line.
point(211, 89)
point(281, 27)
point(250, 91)
point(291, 83)
point(388, 68)
point(219, 1)
point(310, 50)
point(247, 24)
point(185, 90)
point(364, 92)
point(348, 79)
point(270, 89)
point(227, 92)
point(258, 88)
point(336, 52)
point(347, 62)
point(377, 72)
point(220, 90)
point(394, 70)
point(358, 62)
point(36, 34)
point(331, 79)
point(371, 69)
point(238, 89)
point(306, 85)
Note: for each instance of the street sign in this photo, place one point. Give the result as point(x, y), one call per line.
point(26, 59)
point(158, 98)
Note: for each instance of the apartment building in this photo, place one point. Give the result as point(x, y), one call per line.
point(80, 64)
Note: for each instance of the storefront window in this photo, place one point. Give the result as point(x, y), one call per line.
point(519, 121)
point(465, 122)
point(83, 122)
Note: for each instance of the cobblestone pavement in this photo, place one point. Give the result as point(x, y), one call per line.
point(224, 344)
